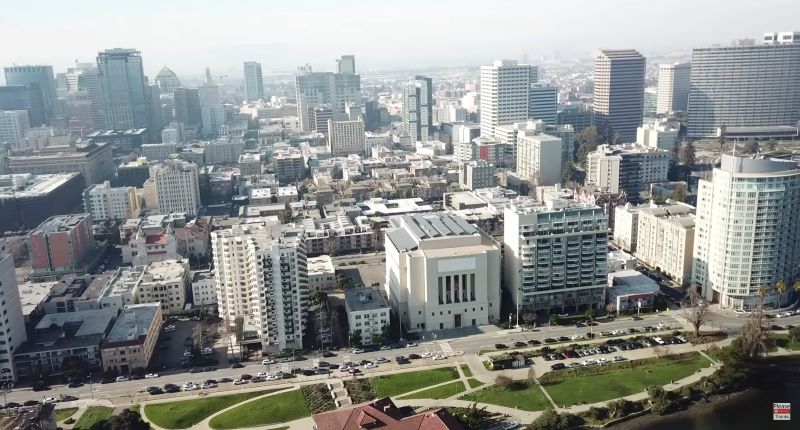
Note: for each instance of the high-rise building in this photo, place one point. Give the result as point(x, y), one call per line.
point(177, 187)
point(673, 87)
point(543, 103)
point(261, 276)
point(253, 81)
point(13, 334)
point(124, 88)
point(665, 239)
point(627, 167)
point(40, 77)
point(418, 108)
point(13, 125)
point(441, 272)
point(747, 230)
point(319, 117)
point(744, 86)
point(167, 80)
point(475, 174)
point(155, 122)
point(505, 94)
point(539, 157)
point(555, 253)
point(85, 89)
point(288, 165)
point(578, 116)
point(337, 90)
point(619, 92)
point(346, 65)
point(345, 137)
point(27, 99)
point(106, 203)
point(187, 107)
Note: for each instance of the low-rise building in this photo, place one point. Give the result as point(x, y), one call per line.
point(367, 313)
point(165, 282)
point(27, 200)
point(383, 414)
point(204, 291)
point(93, 160)
point(61, 244)
point(107, 203)
point(629, 168)
point(321, 273)
point(250, 164)
point(131, 341)
point(626, 225)
point(630, 291)
point(475, 174)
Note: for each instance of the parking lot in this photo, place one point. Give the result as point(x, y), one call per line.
point(171, 347)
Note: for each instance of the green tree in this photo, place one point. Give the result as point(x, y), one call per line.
point(569, 174)
point(355, 338)
point(552, 420)
point(239, 328)
point(588, 140)
point(75, 368)
point(472, 417)
point(772, 145)
point(554, 319)
point(750, 146)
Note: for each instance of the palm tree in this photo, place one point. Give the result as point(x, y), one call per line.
point(780, 287)
point(796, 286)
point(762, 292)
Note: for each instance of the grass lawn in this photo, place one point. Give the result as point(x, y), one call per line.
point(92, 415)
point(186, 413)
point(276, 409)
point(466, 370)
point(399, 383)
point(440, 392)
point(62, 414)
point(474, 383)
point(520, 394)
point(622, 382)
point(784, 341)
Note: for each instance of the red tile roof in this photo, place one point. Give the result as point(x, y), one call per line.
point(384, 415)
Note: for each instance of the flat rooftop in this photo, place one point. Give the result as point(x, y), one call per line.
point(60, 223)
point(364, 299)
point(28, 185)
point(319, 265)
point(133, 323)
point(629, 282)
point(165, 270)
point(91, 322)
point(393, 207)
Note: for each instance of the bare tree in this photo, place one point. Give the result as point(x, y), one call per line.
point(696, 309)
point(503, 381)
point(611, 308)
point(659, 351)
point(532, 375)
point(755, 334)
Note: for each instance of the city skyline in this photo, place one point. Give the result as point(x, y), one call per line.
point(271, 36)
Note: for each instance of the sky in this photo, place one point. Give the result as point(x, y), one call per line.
point(188, 35)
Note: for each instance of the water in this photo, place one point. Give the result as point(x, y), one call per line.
point(751, 410)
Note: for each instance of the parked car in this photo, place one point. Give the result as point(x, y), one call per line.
point(169, 328)
point(386, 347)
point(122, 379)
point(240, 381)
point(534, 342)
point(519, 344)
point(151, 376)
point(558, 366)
point(500, 346)
point(358, 350)
point(267, 361)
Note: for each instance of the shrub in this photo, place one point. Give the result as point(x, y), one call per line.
point(69, 421)
point(552, 420)
point(620, 408)
point(503, 381)
point(597, 414)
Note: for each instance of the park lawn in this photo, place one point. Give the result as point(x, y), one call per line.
point(616, 383)
point(474, 383)
point(520, 394)
point(275, 409)
point(399, 383)
point(186, 413)
point(91, 416)
point(440, 392)
point(466, 370)
point(784, 341)
point(62, 414)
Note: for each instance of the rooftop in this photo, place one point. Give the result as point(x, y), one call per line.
point(383, 414)
point(58, 223)
point(630, 282)
point(28, 185)
point(393, 207)
point(364, 299)
point(89, 322)
point(165, 271)
point(319, 265)
point(133, 323)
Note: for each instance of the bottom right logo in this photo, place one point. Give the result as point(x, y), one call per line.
point(781, 411)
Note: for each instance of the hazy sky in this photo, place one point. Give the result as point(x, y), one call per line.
point(188, 35)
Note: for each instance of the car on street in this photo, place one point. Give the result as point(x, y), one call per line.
point(558, 366)
point(237, 365)
point(169, 328)
point(563, 338)
point(240, 381)
point(410, 344)
point(208, 385)
point(122, 379)
point(328, 354)
point(550, 340)
point(151, 376)
point(534, 342)
point(519, 344)
point(171, 388)
point(370, 366)
point(358, 350)
point(190, 386)
point(381, 360)
point(49, 400)
point(510, 425)
point(256, 379)
point(353, 370)
point(267, 361)
point(75, 384)
point(155, 391)
point(414, 356)
point(426, 354)
point(188, 354)
point(619, 358)
point(500, 346)
point(386, 347)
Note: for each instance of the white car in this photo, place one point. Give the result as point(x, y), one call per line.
point(439, 357)
point(169, 328)
point(208, 385)
point(344, 369)
point(262, 374)
point(267, 361)
point(426, 354)
point(510, 425)
point(123, 379)
point(151, 376)
point(190, 386)
point(239, 381)
point(48, 400)
point(602, 360)
point(589, 362)
point(370, 365)
point(272, 377)
point(207, 350)
point(188, 354)
point(358, 351)
point(619, 358)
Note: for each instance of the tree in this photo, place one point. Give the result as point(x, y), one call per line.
point(238, 323)
point(780, 287)
point(794, 334)
point(750, 147)
point(588, 140)
point(696, 310)
point(569, 174)
point(762, 293)
point(687, 154)
point(617, 139)
point(679, 193)
point(532, 375)
point(772, 144)
point(528, 317)
point(552, 420)
point(590, 313)
point(796, 286)
point(355, 338)
point(754, 335)
point(127, 420)
point(503, 381)
point(611, 308)
point(554, 319)
point(75, 368)
point(721, 137)
point(472, 417)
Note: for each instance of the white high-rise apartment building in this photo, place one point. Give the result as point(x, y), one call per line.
point(13, 125)
point(177, 187)
point(539, 157)
point(507, 134)
point(747, 231)
point(441, 272)
point(253, 81)
point(345, 137)
point(261, 276)
point(555, 253)
point(418, 108)
point(673, 87)
point(627, 167)
point(665, 239)
point(107, 203)
point(663, 135)
point(619, 92)
point(13, 334)
point(505, 94)
point(543, 103)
